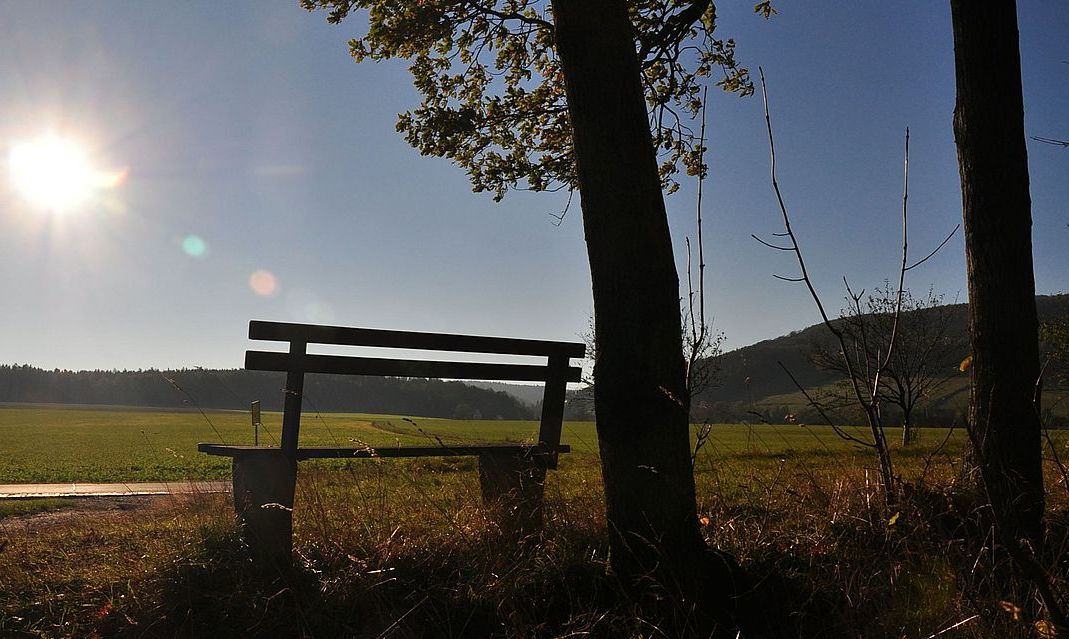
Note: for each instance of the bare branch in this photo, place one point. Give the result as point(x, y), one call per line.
point(519, 17)
point(701, 244)
point(673, 28)
point(1063, 143)
point(850, 292)
point(902, 269)
point(820, 410)
point(567, 205)
point(783, 210)
point(690, 298)
point(941, 245)
point(703, 344)
point(772, 246)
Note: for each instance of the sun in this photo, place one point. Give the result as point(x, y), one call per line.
point(56, 174)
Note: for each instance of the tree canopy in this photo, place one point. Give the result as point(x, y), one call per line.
point(492, 89)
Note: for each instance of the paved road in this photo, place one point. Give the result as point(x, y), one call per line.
point(25, 491)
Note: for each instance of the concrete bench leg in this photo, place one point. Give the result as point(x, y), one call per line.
point(264, 483)
point(512, 488)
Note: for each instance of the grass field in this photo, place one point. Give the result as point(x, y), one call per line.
point(395, 547)
point(55, 444)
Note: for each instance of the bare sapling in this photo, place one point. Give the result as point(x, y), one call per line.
point(864, 380)
point(924, 352)
point(701, 344)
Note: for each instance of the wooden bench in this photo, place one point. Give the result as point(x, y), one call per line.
point(511, 476)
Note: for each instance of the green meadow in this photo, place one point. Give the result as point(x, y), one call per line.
point(56, 444)
point(59, 444)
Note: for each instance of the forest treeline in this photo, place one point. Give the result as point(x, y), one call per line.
point(235, 389)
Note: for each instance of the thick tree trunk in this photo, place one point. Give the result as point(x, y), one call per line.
point(989, 131)
point(640, 389)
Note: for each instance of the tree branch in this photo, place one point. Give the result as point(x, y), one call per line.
point(511, 15)
point(941, 244)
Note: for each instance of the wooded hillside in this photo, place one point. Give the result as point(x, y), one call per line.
point(235, 389)
point(751, 379)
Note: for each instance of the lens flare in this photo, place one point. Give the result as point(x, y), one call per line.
point(306, 306)
point(263, 283)
point(194, 246)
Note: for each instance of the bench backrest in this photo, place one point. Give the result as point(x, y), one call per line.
point(556, 373)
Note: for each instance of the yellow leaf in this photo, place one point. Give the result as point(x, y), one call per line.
point(893, 519)
point(965, 363)
point(1011, 608)
point(1045, 629)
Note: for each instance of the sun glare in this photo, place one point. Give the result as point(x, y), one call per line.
point(56, 174)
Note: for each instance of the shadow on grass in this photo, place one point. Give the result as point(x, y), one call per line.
point(382, 550)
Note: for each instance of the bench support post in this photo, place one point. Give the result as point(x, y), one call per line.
point(291, 412)
point(264, 484)
point(512, 489)
point(553, 406)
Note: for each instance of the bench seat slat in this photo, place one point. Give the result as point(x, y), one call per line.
point(317, 452)
point(343, 365)
point(371, 337)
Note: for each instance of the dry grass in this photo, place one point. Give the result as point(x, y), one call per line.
point(66, 573)
point(403, 549)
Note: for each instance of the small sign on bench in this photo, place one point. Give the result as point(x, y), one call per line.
point(511, 476)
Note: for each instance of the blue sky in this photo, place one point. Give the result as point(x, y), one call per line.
point(246, 125)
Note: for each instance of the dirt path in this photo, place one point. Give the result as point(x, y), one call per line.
point(87, 512)
point(74, 510)
point(30, 491)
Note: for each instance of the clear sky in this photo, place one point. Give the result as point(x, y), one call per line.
point(248, 168)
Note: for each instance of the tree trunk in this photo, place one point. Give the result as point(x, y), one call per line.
point(908, 434)
point(1004, 425)
point(640, 388)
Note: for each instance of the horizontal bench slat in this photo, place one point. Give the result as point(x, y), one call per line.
point(317, 452)
point(343, 365)
point(315, 334)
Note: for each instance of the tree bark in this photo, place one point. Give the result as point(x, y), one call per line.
point(908, 434)
point(989, 132)
point(640, 387)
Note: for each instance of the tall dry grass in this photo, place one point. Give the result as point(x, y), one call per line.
point(404, 549)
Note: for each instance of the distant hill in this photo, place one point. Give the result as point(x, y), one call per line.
point(235, 389)
point(578, 403)
point(529, 394)
point(751, 379)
